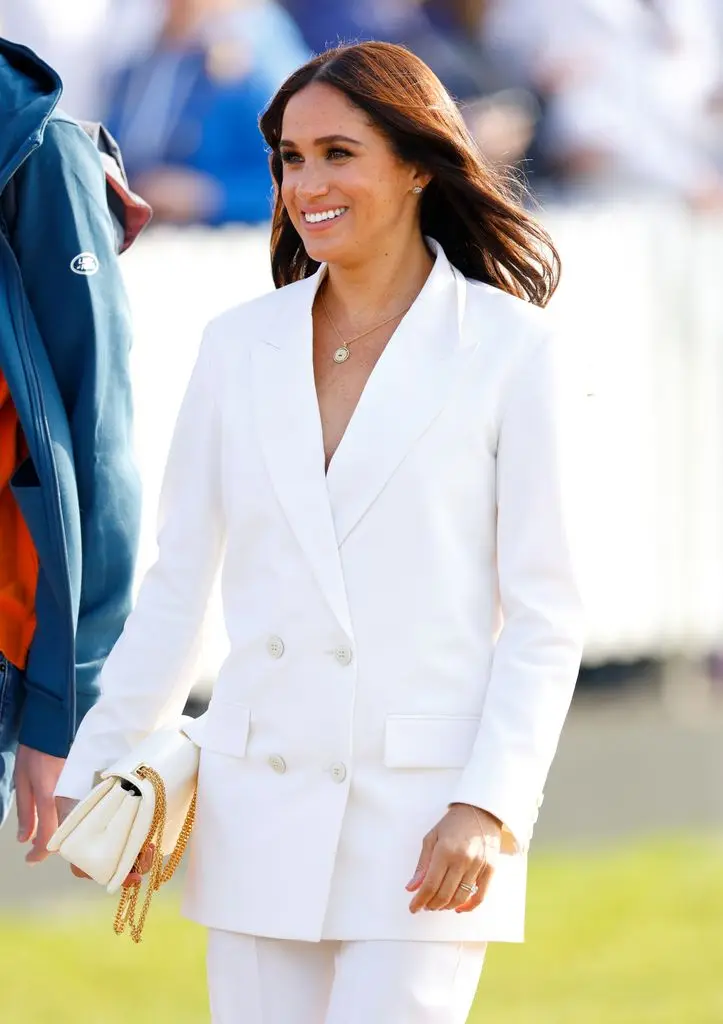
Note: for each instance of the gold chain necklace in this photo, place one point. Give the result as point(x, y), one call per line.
point(342, 353)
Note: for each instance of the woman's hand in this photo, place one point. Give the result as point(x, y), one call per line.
point(64, 806)
point(461, 851)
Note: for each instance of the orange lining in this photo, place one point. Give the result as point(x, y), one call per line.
point(18, 558)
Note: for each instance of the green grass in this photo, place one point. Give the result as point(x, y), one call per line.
point(627, 936)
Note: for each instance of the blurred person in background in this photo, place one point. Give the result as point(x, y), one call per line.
point(186, 113)
point(84, 43)
point(69, 492)
point(445, 34)
point(629, 86)
point(382, 457)
point(490, 23)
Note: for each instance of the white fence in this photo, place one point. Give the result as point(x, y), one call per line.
point(642, 296)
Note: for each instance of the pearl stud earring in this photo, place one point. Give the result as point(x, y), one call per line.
point(417, 190)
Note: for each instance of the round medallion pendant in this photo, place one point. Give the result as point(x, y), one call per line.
point(341, 355)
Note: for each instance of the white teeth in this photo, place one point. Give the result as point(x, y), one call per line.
point(315, 218)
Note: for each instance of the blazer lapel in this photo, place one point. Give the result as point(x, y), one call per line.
point(286, 411)
point(405, 392)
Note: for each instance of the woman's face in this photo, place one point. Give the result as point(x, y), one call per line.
point(347, 193)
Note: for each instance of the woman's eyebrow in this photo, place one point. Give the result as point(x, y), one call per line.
point(323, 141)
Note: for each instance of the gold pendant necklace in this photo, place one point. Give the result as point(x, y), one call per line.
point(342, 353)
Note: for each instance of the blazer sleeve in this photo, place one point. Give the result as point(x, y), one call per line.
point(149, 674)
point(538, 652)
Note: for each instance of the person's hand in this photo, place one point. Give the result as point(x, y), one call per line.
point(65, 805)
point(462, 850)
point(36, 776)
point(178, 195)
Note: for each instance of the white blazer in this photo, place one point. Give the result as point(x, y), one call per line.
point(368, 683)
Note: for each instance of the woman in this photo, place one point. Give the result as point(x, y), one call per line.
point(374, 452)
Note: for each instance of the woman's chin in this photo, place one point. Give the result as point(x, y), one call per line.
point(324, 250)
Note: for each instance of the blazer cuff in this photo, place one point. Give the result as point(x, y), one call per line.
point(517, 817)
point(76, 780)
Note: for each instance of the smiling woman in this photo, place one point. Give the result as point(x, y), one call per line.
point(378, 455)
point(393, 106)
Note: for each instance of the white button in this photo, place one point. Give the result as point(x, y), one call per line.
point(338, 772)
point(343, 655)
point(277, 763)
point(275, 646)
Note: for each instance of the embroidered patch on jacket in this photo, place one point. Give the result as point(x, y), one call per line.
point(85, 263)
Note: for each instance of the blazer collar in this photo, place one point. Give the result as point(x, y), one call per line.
point(406, 390)
point(297, 300)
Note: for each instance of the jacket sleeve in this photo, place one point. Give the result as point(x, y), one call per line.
point(538, 652)
point(84, 323)
point(147, 678)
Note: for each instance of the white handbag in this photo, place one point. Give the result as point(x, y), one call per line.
point(147, 798)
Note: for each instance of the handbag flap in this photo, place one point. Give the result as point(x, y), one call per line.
point(98, 841)
point(80, 811)
point(137, 834)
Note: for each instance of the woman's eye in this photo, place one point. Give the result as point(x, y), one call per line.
point(290, 158)
point(338, 154)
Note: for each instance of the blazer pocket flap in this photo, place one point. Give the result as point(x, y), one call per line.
point(224, 729)
point(429, 741)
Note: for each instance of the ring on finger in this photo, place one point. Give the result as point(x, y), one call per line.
point(471, 889)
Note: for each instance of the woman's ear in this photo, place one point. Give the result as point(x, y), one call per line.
point(420, 180)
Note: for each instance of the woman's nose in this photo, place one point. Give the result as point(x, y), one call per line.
point(312, 186)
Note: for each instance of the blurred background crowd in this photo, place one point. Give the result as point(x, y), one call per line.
point(589, 98)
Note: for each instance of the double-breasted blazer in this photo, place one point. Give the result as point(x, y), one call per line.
point(405, 630)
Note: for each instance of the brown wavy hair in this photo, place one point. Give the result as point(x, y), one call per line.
point(472, 209)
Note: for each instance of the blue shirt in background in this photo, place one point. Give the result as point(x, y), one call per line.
point(198, 106)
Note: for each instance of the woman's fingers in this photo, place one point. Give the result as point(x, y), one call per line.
point(134, 877)
point(432, 881)
point(447, 888)
point(142, 867)
point(475, 898)
point(464, 889)
point(422, 867)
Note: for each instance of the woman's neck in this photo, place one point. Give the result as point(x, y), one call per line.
point(378, 288)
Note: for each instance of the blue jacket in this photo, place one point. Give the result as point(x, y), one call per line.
point(64, 345)
point(199, 107)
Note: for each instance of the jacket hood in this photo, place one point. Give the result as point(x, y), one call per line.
point(29, 92)
point(129, 212)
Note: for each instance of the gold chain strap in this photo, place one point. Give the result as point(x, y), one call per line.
point(158, 875)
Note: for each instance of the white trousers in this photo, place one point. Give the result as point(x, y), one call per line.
point(273, 981)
